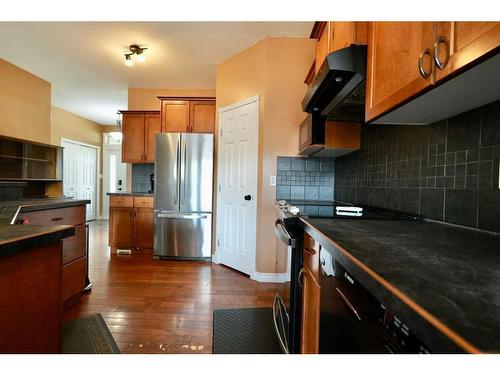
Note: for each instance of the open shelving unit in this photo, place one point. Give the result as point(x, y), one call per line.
point(22, 160)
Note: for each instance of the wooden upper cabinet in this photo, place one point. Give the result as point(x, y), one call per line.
point(321, 32)
point(345, 33)
point(457, 44)
point(202, 116)
point(152, 123)
point(133, 137)
point(393, 74)
point(175, 116)
point(187, 115)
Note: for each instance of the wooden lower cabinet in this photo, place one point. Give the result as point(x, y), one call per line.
point(74, 247)
point(121, 227)
point(30, 300)
point(143, 228)
point(130, 222)
point(311, 293)
point(74, 278)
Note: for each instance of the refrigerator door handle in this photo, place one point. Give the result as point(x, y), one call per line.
point(176, 173)
point(181, 216)
point(183, 169)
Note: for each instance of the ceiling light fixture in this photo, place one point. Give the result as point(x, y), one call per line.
point(135, 50)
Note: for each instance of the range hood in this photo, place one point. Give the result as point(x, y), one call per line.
point(338, 91)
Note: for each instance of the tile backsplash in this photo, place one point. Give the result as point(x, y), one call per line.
point(305, 178)
point(446, 171)
point(140, 177)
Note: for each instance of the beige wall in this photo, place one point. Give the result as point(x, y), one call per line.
point(147, 99)
point(275, 69)
point(24, 104)
point(70, 126)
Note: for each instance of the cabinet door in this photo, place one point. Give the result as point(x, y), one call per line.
point(393, 76)
point(311, 293)
point(133, 138)
point(343, 34)
point(121, 228)
point(323, 46)
point(152, 125)
point(460, 43)
point(143, 228)
point(202, 116)
point(175, 116)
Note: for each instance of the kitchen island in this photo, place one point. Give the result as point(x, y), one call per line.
point(442, 280)
point(30, 287)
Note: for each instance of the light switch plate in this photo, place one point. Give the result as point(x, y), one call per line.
point(272, 180)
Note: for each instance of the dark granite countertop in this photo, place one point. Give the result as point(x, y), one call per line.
point(10, 209)
point(14, 238)
point(18, 237)
point(443, 280)
point(132, 194)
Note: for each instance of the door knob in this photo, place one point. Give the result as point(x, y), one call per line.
point(248, 197)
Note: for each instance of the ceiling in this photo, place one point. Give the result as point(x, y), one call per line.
point(85, 64)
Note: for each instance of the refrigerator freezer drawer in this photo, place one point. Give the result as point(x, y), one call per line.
point(183, 235)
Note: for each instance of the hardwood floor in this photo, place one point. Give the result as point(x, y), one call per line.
point(162, 306)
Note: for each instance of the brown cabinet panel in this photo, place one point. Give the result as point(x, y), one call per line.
point(345, 33)
point(145, 202)
point(121, 228)
point(152, 126)
point(393, 75)
point(311, 293)
point(175, 116)
point(460, 43)
point(323, 46)
point(30, 300)
point(202, 116)
point(74, 247)
point(73, 278)
point(58, 216)
point(133, 137)
point(143, 228)
point(311, 255)
point(121, 201)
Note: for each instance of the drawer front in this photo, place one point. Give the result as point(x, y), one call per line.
point(59, 216)
point(121, 201)
point(74, 247)
point(311, 255)
point(73, 278)
point(146, 202)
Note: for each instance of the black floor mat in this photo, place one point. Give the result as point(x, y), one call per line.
point(244, 331)
point(88, 335)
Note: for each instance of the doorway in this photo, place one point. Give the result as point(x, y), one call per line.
point(114, 171)
point(237, 185)
point(80, 168)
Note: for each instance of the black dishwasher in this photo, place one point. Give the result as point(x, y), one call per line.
point(352, 320)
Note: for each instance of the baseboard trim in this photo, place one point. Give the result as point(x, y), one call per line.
point(270, 277)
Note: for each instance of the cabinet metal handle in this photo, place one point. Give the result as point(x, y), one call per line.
point(301, 274)
point(348, 303)
point(56, 219)
point(440, 40)
point(423, 73)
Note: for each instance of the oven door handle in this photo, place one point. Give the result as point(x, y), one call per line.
point(277, 306)
point(281, 233)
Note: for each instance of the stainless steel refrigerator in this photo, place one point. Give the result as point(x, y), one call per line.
point(183, 195)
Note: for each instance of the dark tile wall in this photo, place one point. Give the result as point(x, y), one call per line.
point(305, 179)
point(140, 177)
point(446, 171)
point(10, 192)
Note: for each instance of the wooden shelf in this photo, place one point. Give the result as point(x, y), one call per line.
point(24, 158)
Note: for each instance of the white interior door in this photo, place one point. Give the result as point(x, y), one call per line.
point(79, 174)
point(237, 185)
point(114, 175)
